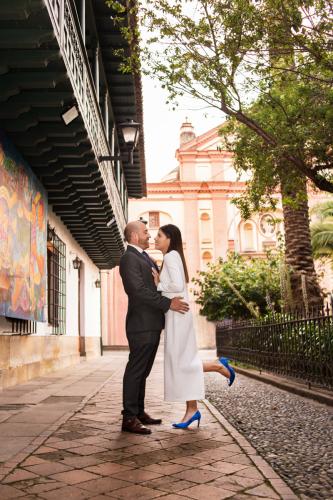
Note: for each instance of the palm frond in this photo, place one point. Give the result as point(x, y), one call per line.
point(322, 239)
point(323, 210)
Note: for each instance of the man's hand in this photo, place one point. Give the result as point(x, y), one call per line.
point(178, 305)
point(156, 276)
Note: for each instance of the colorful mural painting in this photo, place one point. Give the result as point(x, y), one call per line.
point(23, 224)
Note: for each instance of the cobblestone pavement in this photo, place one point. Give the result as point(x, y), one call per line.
point(84, 454)
point(294, 434)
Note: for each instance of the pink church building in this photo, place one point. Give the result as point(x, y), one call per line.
point(196, 196)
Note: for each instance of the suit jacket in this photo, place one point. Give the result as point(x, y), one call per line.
point(146, 306)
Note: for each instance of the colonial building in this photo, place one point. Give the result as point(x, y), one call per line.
point(197, 196)
point(65, 177)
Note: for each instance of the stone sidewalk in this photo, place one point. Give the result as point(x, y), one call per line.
point(60, 437)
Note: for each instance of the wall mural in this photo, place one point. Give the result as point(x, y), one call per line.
point(23, 224)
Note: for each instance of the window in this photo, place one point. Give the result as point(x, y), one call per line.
point(154, 220)
point(204, 216)
point(56, 282)
point(206, 229)
point(248, 236)
point(267, 225)
point(206, 258)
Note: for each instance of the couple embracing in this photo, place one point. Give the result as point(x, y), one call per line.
point(158, 299)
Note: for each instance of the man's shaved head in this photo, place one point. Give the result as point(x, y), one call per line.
point(132, 227)
point(136, 233)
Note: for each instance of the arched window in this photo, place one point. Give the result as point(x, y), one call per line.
point(205, 227)
point(248, 232)
point(206, 258)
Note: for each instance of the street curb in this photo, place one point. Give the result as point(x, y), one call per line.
point(7, 467)
point(278, 484)
point(283, 384)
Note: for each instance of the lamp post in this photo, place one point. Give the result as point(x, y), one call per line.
point(77, 265)
point(130, 132)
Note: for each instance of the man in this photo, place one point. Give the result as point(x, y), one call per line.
point(144, 322)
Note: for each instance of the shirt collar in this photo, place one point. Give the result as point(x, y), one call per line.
point(139, 249)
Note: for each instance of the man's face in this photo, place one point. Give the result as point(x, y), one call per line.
point(143, 236)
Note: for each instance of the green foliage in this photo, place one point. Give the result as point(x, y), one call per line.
point(232, 54)
point(322, 231)
point(239, 287)
point(308, 339)
point(300, 115)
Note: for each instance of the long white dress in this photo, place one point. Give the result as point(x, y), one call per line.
point(183, 370)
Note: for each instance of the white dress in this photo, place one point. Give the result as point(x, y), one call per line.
point(183, 370)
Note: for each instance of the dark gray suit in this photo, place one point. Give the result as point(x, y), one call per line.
point(144, 322)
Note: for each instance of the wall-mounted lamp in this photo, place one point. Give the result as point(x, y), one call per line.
point(77, 263)
point(70, 114)
point(110, 222)
point(98, 283)
point(130, 132)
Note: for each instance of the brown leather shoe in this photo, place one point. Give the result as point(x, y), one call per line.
point(145, 419)
point(134, 425)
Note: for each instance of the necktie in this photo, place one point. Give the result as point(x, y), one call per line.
point(150, 262)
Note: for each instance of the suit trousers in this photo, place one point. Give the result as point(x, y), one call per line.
point(143, 347)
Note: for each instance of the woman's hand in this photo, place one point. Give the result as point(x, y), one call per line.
point(156, 276)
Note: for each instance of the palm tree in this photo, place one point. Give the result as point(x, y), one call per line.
point(298, 250)
point(322, 231)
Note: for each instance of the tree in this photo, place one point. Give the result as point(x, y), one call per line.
point(229, 54)
point(239, 288)
point(268, 174)
point(322, 231)
point(226, 52)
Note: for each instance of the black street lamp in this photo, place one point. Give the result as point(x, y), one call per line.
point(77, 263)
point(130, 131)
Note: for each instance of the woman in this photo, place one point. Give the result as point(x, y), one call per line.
point(183, 369)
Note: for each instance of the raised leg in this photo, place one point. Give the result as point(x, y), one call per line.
point(215, 366)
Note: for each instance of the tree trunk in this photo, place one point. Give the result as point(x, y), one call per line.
point(298, 251)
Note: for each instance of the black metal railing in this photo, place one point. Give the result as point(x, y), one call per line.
point(297, 344)
point(22, 326)
point(56, 282)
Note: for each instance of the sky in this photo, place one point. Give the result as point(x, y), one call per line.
point(162, 126)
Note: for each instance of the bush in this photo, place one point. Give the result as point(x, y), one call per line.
point(239, 288)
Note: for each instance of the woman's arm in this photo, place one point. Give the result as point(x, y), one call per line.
point(173, 281)
point(134, 285)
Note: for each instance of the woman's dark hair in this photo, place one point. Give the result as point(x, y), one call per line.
point(176, 243)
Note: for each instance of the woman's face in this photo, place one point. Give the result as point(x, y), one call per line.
point(162, 242)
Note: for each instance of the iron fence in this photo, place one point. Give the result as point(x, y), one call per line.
point(297, 344)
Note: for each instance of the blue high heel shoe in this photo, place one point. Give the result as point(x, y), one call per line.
point(225, 362)
point(184, 425)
